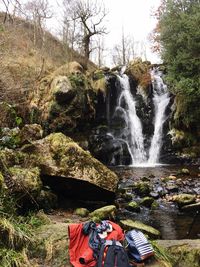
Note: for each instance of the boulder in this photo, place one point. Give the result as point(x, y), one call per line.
point(139, 71)
point(83, 212)
point(184, 253)
point(64, 99)
point(147, 201)
point(107, 212)
point(184, 199)
point(142, 188)
point(131, 224)
point(191, 207)
point(133, 206)
point(69, 169)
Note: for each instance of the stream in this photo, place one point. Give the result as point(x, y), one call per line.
point(166, 217)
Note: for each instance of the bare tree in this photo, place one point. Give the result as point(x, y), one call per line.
point(124, 51)
point(87, 16)
point(38, 11)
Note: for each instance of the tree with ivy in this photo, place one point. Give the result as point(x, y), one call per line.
point(177, 36)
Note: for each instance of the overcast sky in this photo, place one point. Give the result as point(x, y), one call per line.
point(134, 16)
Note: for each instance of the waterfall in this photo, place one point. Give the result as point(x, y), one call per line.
point(136, 121)
point(161, 100)
point(133, 131)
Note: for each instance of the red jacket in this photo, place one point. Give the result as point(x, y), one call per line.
point(79, 244)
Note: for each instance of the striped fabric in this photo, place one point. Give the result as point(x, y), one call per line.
point(141, 243)
point(138, 245)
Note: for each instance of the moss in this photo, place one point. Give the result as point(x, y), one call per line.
point(139, 71)
point(184, 199)
point(130, 224)
point(185, 256)
point(77, 80)
point(29, 178)
point(133, 206)
point(107, 212)
point(147, 201)
point(1, 181)
point(142, 188)
point(81, 212)
point(51, 245)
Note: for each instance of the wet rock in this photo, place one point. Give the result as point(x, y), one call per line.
point(172, 188)
point(107, 212)
point(133, 206)
point(184, 171)
point(131, 224)
point(172, 177)
point(142, 188)
point(145, 179)
point(83, 212)
point(127, 196)
point(161, 191)
point(184, 199)
point(154, 195)
point(69, 169)
point(147, 201)
point(191, 207)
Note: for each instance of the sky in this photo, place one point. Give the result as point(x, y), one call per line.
point(133, 16)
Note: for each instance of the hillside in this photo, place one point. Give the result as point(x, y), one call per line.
point(23, 63)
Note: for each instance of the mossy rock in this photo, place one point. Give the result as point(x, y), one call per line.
point(147, 201)
point(59, 156)
point(29, 179)
point(139, 71)
point(133, 206)
point(83, 212)
point(184, 171)
point(131, 224)
point(184, 253)
point(107, 212)
point(184, 199)
point(142, 188)
point(10, 157)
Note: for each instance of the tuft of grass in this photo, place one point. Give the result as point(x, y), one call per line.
point(12, 235)
point(162, 255)
point(12, 258)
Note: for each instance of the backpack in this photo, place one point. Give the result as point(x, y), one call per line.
point(138, 247)
point(112, 254)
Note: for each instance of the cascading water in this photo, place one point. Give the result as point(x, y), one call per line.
point(135, 137)
point(161, 99)
point(131, 133)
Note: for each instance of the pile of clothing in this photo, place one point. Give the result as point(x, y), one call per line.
point(86, 240)
point(94, 244)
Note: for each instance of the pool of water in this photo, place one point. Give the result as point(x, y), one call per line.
point(167, 217)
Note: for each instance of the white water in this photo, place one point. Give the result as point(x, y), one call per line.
point(161, 100)
point(135, 139)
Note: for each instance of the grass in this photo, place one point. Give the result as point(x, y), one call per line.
point(162, 255)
